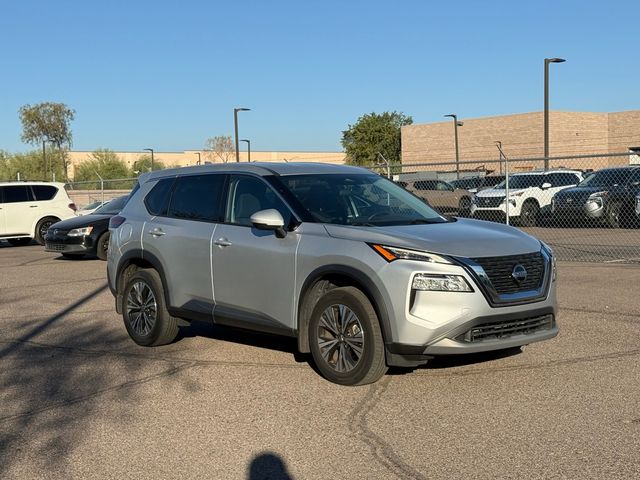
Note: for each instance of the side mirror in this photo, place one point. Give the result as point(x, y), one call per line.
point(269, 220)
point(545, 185)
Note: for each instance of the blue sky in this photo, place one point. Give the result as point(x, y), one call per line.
point(167, 75)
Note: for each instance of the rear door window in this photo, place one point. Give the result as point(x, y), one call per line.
point(17, 193)
point(198, 197)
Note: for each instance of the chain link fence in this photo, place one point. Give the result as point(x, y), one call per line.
point(587, 207)
point(85, 193)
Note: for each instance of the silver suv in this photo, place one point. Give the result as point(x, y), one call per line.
point(364, 274)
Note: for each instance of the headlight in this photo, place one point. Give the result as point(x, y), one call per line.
point(598, 197)
point(394, 253)
point(440, 283)
point(80, 232)
point(554, 268)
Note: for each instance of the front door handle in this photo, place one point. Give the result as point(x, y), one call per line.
point(223, 242)
point(156, 232)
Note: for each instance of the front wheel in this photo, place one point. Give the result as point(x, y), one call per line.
point(345, 338)
point(144, 310)
point(613, 215)
point(103, 246)
point(529, 214)
point(464, 207)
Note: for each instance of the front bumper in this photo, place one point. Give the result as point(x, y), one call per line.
point(589, 210)
point(447, 323)
point(74, 245)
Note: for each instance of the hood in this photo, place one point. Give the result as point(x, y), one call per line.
point(461, 238)
point(83, 221)
point(582, 191)
point(492, 192)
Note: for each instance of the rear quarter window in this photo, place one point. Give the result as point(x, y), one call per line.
point(44, 192)
point(157, 200)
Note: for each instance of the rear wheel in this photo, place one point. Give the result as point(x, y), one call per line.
point(529, 214)
point(102, 246)
point(464, 207)
point(42, 227)
point(345, 338)
point(144, 310)
point(19, 242)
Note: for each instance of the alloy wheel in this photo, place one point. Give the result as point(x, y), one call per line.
point(142, 308)
point(340, 338)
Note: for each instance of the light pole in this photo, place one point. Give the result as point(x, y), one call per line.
point(150, 150)
point(248, 149)
point(456, 124)
point(235, 126)
point(506, 180)
point(547, 61)
point(198, 153)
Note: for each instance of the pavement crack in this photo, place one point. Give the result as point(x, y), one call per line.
point(382, 451)
point(631, 317)
point(89, 396)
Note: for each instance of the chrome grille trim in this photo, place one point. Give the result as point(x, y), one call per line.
point(506, 329)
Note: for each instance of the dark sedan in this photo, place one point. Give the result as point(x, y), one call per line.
point(606, 196)
point(86, 235)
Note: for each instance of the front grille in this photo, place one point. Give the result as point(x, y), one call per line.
point(489, 202)
point(507, 328)
point(500, 272)
point(54, 247)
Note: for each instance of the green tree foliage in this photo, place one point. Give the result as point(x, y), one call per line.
point(30, 167)
point(47, 121)
point(143, 164)
point(106, 164)
point(374, 134)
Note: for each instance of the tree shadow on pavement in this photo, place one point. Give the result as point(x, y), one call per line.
point(268, 466)
point(54, 374)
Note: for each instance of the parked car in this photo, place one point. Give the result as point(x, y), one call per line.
point(90, 208)
point(85, 235)
point(442, 196)
point(28, 209)
point(361, 272)
point(638, 206)
point(606, 196)
point(530, 195)
point(476, 184)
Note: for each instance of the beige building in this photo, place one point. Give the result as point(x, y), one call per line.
point(192, 157)
point(521, 135)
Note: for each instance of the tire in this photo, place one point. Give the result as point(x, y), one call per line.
point(351, 353)
point(529, 214)
point(19, 242)
point(464, 207)
point(42, 227)
point(614, 213)
point(102, 246)
point(144, 310)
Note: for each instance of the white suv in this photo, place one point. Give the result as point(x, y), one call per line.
point(28, 209)
point(529, 195)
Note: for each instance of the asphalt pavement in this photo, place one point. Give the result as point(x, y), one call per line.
point(79, 400)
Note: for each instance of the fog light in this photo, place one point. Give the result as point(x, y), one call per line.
point(441, 283)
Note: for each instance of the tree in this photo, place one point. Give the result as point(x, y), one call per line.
point(48, 122)
point(143, 164)
point(106, 164)
point(29, 166)
point(220, 148)
point(374, 134)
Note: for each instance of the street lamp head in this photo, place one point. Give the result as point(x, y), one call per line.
point(452, 115)
point(148, 149)
point(555, 60)
point(460, 124)
point(242, 109)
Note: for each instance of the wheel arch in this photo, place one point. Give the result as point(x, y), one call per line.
point(323, 279)
point(130, 262)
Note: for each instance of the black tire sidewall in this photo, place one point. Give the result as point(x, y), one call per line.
point(611, 221)
point(152, 279)
point(100, 252)
point(530, 218)
point(39, 237)
point(345, 297)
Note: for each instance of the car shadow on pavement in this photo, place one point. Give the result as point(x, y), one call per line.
point(451, 361)
point(268, 466)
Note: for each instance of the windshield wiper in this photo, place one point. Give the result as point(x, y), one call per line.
point(362, 224)
point(421, 221)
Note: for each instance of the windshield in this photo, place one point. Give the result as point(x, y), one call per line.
point(358, 199)
point(113, 207)
point(606, 178)
point(521, 181)
point(92, 205)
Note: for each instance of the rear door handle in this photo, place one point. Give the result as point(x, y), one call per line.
point(223, 242)
point(156, 232)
